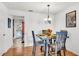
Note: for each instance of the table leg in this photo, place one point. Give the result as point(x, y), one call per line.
point(46, 48)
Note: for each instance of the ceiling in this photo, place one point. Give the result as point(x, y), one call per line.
point(40, 7)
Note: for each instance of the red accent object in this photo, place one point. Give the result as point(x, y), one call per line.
point(23, 25)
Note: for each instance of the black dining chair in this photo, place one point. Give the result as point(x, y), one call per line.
point(36, 43)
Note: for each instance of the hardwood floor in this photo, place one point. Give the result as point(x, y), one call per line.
point(28, 52)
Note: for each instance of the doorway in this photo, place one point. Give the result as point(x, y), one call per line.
point(18, 31)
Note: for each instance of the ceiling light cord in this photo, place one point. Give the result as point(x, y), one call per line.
point(48, 19)
point(48, 10)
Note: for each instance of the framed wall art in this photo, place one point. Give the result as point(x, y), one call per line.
point(71, 19)
point(9, 23)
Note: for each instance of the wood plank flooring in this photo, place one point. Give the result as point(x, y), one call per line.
point(28, 52)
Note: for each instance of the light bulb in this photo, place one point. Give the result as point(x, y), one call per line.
point(50, 19)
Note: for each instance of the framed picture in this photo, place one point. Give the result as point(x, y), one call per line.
point(9, 23)
point(71, 19)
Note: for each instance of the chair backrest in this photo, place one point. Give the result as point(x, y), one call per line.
point(60, 40)
point(34, 41)
point(65, 31)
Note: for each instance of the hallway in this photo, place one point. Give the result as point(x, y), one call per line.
point(17, 43)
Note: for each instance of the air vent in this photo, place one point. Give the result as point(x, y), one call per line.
point(30, 10)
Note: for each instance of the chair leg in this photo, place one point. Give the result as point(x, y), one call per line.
point(64, 51)
point(59, 53)
point(34, 50)
point(41, 49)
point(64, 48)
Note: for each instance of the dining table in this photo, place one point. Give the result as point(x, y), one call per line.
point(45, 38)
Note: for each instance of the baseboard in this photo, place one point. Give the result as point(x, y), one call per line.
point(6, 51)
point(72, 53)
point(27, 45)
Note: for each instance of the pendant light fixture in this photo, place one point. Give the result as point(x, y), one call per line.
point(48, 19)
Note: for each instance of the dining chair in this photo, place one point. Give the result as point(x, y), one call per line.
point(60, 42)
point(66, 33)
point(36, 43)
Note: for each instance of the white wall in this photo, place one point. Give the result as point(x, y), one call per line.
point(5, 41)
point(60, 23)
point(33, 21)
